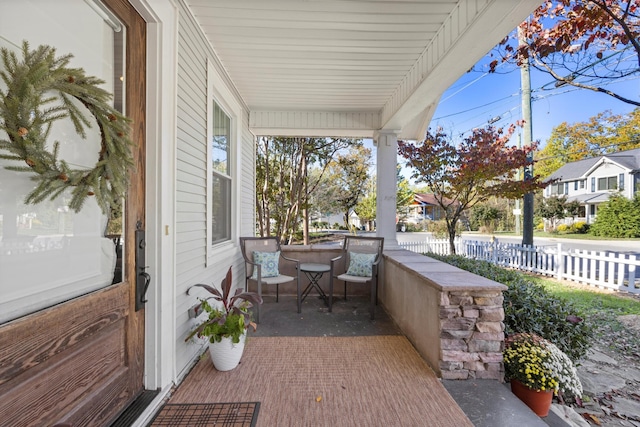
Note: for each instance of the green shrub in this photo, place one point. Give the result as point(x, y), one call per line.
point(439, 229)
point(563, 228)
point(531, 308)
point(580, 227)
point(412, 228)
point(619, 217)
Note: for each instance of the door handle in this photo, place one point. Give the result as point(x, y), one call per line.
point(142, 277)
point(147, 279)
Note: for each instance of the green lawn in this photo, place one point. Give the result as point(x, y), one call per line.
point(592, 301)
point(576, 236)
point(603, 310)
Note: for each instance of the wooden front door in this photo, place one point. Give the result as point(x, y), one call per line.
point(81, 362)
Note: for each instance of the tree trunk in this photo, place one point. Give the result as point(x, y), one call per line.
point(451, 228)
point(305, 210)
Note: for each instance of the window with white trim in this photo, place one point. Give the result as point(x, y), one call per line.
point(557, 188)
point(607, 183)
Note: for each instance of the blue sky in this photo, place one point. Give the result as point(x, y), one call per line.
point(477, 98)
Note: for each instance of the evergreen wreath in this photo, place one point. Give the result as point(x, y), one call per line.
point(40, 90)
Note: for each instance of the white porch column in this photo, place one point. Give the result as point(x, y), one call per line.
point(386, 142)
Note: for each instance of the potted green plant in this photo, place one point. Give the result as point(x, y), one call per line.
point(228, 319)
point(537, 369)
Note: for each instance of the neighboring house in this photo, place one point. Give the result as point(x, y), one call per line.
point(424, 207)
point(591, 181)
point(338, 218)
point(200, 79)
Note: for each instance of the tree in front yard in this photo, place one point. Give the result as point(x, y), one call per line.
point(555, 209)
point(347, 178)
point(367, 205)
point(283, 184)
point(601, 134)
point(484, 217)
point(619, 217)
point(465, 174)
point(586, 44)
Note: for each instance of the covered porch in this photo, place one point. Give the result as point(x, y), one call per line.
point(341, 368)
point(453, 318)
point(363, 69)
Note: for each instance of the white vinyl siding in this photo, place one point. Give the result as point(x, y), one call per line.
point(197, 261)
point(247, 180)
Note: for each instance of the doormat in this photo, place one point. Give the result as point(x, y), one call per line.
point(236, 414)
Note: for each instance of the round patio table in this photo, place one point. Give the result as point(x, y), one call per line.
point(314, 272)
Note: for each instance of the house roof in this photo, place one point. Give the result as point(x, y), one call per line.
point(629, 159)
point(574, 170)
point(590, 197)
point(427, 199)
point(350, 67)
point(424, 199)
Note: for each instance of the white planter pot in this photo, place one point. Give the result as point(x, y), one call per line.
point(226, 355)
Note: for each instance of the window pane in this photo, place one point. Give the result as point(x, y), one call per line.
point(221, 212)
point(602, 184)
point(220, 140)
point(220, 178)
point(70, 251)
point(611, 183)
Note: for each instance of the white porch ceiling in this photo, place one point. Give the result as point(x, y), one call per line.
point(350, 67)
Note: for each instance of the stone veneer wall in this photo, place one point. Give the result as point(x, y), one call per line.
point(453, 318)
point(472, 335)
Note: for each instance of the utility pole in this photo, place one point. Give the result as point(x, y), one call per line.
point(516, 211)
point(527, 131)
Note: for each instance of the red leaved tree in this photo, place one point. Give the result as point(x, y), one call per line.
point(583, 43)
point(481, 166)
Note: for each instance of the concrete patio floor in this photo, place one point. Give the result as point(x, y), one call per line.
point(486, 403)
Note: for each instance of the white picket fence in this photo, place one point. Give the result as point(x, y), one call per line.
point(611, 270)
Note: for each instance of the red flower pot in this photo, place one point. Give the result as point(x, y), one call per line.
point(539, 401)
